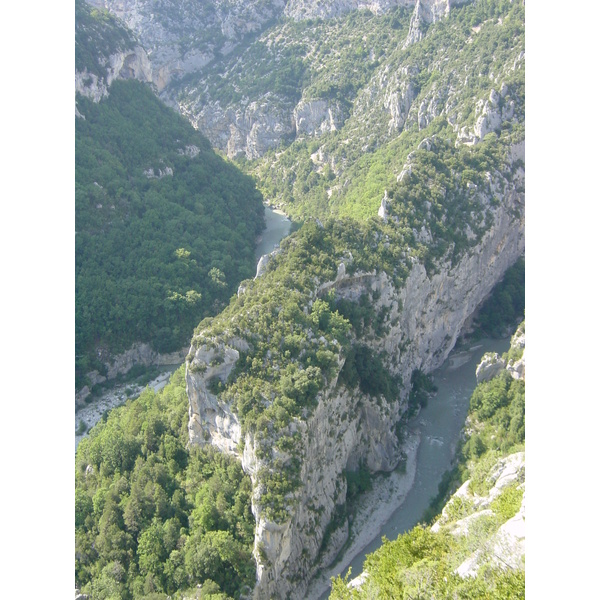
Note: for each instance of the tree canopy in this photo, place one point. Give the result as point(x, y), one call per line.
point(165, 228)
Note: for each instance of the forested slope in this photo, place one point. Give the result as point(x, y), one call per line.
point(153, 516)
point(165, 227)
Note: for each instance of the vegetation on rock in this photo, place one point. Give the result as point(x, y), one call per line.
point(98, 35)
point(505, 305)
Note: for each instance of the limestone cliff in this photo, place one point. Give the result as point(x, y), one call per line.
point(183, 36)
point(105, 50)
point(131, 64)
point(347, 428)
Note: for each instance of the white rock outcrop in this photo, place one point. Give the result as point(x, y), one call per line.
point(491, 364)
point(250, 129)
point(131, 64)
point(314, 117)
point(428, 11)
point(120, 364)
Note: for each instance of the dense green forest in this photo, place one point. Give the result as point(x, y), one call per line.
point(165, 227)
point(154, 516)
point(421, 563)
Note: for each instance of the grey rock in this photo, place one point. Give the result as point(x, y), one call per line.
point(491, 364)
point(132, 64)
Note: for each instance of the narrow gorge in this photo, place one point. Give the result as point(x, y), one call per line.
point(392, 134)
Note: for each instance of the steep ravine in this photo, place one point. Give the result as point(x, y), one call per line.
point(348, 428)
point(439, 427)
point(277, 227)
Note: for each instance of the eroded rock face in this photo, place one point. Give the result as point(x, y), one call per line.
point(120, 364)
point(132, 64)
point(209, 418)
point(250, 129)
point(428, 11)
point(183, 36)
point(348, 428)
point(317, 116)
point(491, 364)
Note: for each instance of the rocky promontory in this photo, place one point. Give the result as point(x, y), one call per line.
point(347, 429)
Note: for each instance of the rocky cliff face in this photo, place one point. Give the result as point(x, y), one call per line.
point(253, 125)
point(251, 128)
point(349, 428)
point(183, 36)
point(120, 364)
point(186, 41)
point(491, 364)
point(129, 64)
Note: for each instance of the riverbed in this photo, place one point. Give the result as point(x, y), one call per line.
point(398, 501)
point(116, 396)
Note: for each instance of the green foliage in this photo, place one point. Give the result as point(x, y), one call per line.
point(420, 564)
point(421, 387)
point(153, 516)
point(358, 481)
point(508, 503)
point(153, 255)
point(498, 407)
point(365, 368)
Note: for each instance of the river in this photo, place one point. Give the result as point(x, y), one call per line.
point(398, 502)
point(278, 226)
